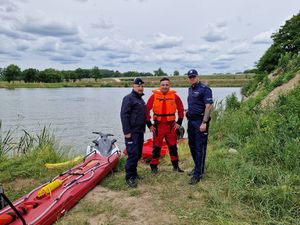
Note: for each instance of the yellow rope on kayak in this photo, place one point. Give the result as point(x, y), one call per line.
point(46, 190)
point(63, 164)
point(49, 188)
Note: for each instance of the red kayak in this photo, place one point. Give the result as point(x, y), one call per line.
point(45, 204)
point(148, 146)
point(147, 150)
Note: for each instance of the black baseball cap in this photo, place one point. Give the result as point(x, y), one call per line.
point(192, 73)
point(138, 81)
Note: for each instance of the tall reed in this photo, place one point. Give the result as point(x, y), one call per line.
point(6, 139)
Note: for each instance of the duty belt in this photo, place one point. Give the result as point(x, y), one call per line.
point(195, 117)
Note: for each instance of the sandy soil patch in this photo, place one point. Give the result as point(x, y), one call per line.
point(273, 95)
point(136, 206)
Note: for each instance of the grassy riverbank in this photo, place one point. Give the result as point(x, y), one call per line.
point(252, 175)
point(264, 173)
point(177, 81)
point(166, 198)
point(252, 172)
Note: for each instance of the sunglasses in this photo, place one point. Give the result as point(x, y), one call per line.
point(191, 77)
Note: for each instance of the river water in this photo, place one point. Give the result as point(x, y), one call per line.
point(73, 113)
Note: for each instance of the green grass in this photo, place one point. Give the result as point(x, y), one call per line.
point(209, 202)
point(265, 172)
point(24, 163)
point(235, 190)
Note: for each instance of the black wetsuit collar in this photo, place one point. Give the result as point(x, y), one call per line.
point(195, 85)
point(137, 94)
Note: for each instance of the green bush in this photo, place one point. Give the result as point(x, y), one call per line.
point(232, 102)
point(253, 84)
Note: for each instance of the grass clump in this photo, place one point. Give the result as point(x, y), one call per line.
point(265, 172)
point(24, 160)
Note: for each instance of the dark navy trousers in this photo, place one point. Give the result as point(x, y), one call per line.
point(134, 147)
point(198, 145)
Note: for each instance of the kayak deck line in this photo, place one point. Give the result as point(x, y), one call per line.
point(71, 184)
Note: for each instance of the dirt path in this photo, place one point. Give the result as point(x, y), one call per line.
point(117, 80)
point(104, 206)
point(273, 95)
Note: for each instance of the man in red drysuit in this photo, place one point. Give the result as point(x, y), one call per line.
point(164, 103)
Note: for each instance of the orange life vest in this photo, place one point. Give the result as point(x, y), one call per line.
point(171, 107)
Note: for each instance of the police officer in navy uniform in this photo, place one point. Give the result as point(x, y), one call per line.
point(133, 118)
point(200, 104)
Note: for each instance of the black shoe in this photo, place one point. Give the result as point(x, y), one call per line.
point(140, 177)
point(178, 170)
point(154, 169)
point(191, 173)
point(194, 180)
point(131, 182)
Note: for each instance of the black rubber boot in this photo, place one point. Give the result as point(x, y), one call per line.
point(194, 180)
point(154, 169)
point(131, 182)
point(176, 166)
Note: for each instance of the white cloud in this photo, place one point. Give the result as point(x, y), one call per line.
point(8, 7)
point(63, 59)
point(99, 44)
point(78, 52)
point(135, 0)
point(224, 58)
point(10, 31)
point(11, 49)
point(117, 55)
point(102, 24)
point(242, 48)
point(91, 32)
point(53, 28)
point(47, 45)
point(198, 49)
point(216, 32)
point(263, 38)
point(222, 24)
point(113, 44)
point(162, 40)
point(133, 59)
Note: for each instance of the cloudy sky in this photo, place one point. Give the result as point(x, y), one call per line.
point(141, 35)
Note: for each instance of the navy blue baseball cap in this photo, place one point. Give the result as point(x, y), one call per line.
point(192, 72)
point(138, 81)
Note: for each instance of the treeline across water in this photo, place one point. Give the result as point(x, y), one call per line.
point(13, 73)
point(50, 75)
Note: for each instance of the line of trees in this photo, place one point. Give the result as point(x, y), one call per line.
point(14, 73)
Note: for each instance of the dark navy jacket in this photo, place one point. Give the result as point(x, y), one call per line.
point(133, 113)
point(199, 95)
